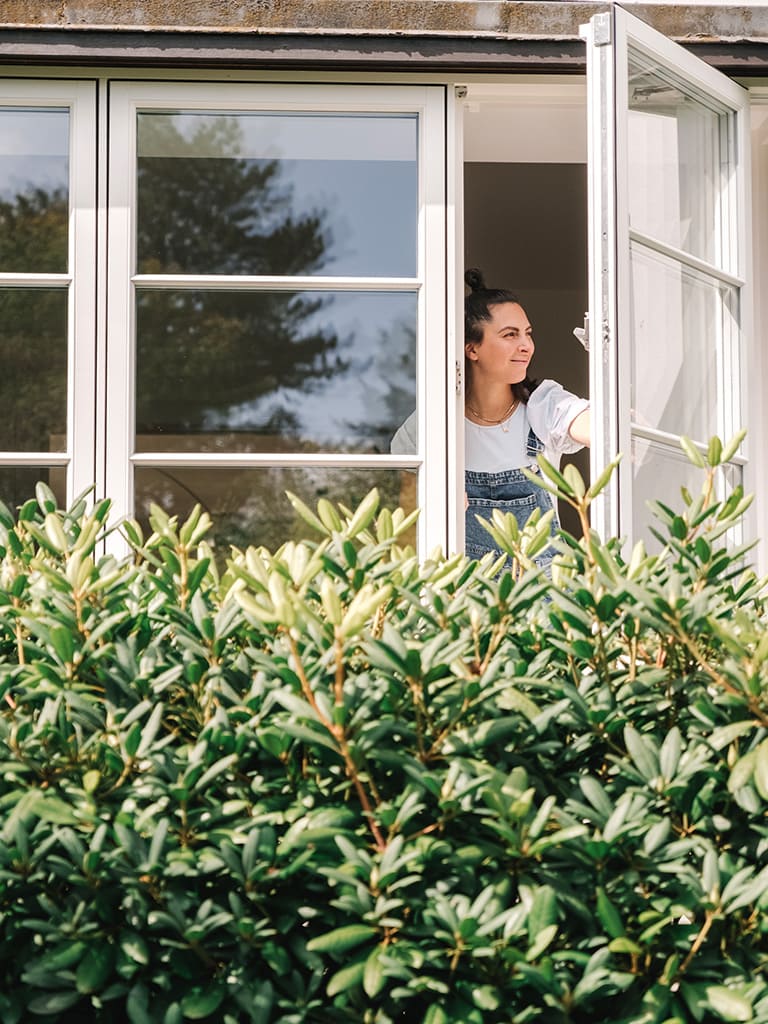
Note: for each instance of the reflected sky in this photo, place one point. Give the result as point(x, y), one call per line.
point(353, 176)
point(34, 151)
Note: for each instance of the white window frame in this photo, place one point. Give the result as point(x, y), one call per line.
point(609, 37)
point(79, 279)
point(129, 98)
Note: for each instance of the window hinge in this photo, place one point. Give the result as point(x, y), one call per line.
point(459, 378)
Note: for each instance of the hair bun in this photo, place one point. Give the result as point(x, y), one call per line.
point(474, 280)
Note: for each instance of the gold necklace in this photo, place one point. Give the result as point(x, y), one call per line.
point(501, 422)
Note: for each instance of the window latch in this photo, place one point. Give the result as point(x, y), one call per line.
point(582, 333)
point(459, 377)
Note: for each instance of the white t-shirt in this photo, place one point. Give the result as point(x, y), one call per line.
point(550, 411)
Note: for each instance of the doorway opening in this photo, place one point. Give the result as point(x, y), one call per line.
point(525, 217)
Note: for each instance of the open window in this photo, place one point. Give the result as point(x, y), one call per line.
point(525, 214)
point(669, 310)
point(625, 195)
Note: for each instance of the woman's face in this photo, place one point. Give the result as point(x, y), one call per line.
point(507, 346)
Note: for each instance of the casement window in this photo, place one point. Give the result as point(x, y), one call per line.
point(47, 287)
point(268, 280)
point(276, 297)
point(669, 264)
point(216, 291)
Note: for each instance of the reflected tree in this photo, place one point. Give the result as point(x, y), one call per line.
point(202, 352)
point(33, 322)
point(394, 370)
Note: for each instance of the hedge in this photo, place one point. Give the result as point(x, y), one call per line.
point(339, 782)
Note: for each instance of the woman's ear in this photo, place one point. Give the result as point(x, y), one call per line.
point(470, 350)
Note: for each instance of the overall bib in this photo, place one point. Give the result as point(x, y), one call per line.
point(509, 491)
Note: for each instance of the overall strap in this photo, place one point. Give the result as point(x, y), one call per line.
point(534, 445)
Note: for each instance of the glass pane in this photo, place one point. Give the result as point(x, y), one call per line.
point(680, 322)
point(675, 160)
point(248, 506)
point(273, 371)
point(277, 194)
point(33, 383)
point(34, 190)
point(659, 473)
point(17, 484)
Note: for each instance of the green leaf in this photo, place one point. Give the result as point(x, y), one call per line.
point(742, 772)
point(341, 939)
point(435, 1015)
point(364, 513)
point(574, 479)
point(543, 910)
point(51, 808)
point(669, 755)
point(307, 514)
point(622, 944)
point(729, 1004)
point(53, 1003)
point(150, 730)
point(543, 939)
point(761, 769)
point(347, 978)
point(133, 739)
point(373, 974)
point(134, 947)
point(693, 453)
point(46, 499)
point(329, 517)
point(609, 915)
point(201, 1003)
point(732, 446)
point(603, 480)
point(642, 750)
point(715, 451)
point(94, 969)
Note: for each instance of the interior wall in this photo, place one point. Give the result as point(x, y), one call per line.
point(525, 227)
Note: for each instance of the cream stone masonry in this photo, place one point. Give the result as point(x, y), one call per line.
point(519, 19)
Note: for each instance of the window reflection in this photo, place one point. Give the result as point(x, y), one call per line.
point(662, 473)
point(34, 190)
point(277, 194)
point(273, 371)
point(674, 159)
point(249, 506)
point(680, 319)
point(33, 383)
point(17, 484)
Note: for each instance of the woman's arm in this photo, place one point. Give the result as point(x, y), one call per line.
point(580, 429)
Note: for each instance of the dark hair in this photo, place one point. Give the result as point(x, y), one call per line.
point(477, 312)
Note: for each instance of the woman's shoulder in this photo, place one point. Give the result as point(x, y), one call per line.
point(550, 393)
point(551, 410)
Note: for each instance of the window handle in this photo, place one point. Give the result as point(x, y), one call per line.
point(582, 333)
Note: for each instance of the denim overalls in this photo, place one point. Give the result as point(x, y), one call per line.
point(509, 491)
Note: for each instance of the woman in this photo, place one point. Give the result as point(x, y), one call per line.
point(509, 418)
